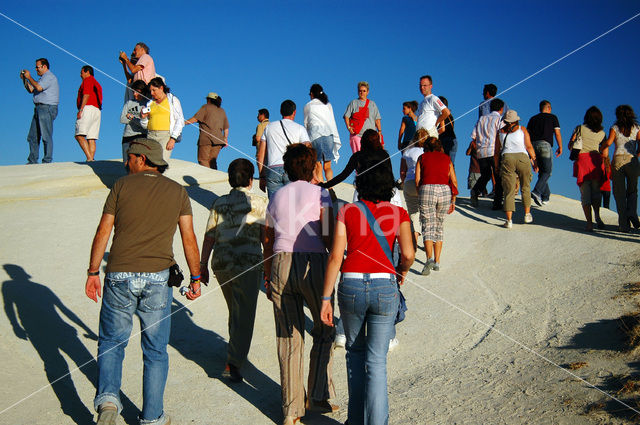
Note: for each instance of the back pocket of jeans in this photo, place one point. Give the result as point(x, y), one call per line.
point(116, 293)
point(154, 296)
point(347, 302)
point(387, 304)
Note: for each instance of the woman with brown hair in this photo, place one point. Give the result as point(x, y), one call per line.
point(624, 166)
point(437, 185)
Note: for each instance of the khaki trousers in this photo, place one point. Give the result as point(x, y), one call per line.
point(515, 166)
point(241, 294)
point(297, 278)
point(208, 155)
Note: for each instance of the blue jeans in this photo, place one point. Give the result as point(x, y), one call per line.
point(450, 147)
point(41, 127)
point(368, 308)
point(276, 178)
point(148, 296)
point(324, 148)
point(544, 157)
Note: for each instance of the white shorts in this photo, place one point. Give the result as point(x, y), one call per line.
point(89, 124)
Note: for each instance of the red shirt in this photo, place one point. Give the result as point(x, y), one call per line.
point(434, 169)
point(364, 253)
point(91, 87)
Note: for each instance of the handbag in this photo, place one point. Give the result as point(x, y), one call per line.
point(576, 146)
point(377, 231)
point(358, 118)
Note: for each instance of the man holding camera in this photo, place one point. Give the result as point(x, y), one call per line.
point(46, 95)
point(145, 207)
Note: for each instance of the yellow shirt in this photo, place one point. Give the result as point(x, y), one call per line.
point(159, 116)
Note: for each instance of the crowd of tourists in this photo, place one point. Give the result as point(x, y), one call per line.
point(292, 242)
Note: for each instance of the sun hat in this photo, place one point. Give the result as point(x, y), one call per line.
point(212, 95)
point(511, 116)
point(149, 148)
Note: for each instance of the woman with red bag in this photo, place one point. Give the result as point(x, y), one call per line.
point(361, 115)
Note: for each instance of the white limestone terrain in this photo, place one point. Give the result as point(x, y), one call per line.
point(487, 339)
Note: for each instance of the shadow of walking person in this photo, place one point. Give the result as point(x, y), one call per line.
point(209, 350)
point(32, 309)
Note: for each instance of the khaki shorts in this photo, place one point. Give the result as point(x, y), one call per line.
point(89, 124)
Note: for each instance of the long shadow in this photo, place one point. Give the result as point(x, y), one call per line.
point(32, 309)
point(209, 351)
point(107, 171)
point(202, 196)
point(626, 390)
point(546, 218)
point(604, 334)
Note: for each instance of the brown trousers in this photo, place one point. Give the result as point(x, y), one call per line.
point(297, 278)
point(208, 155)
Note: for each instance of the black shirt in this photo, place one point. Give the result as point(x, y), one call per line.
point(542, 126)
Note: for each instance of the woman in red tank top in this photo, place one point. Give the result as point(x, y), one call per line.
point(437, 187)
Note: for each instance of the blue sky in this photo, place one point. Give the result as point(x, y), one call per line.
point(256, 54)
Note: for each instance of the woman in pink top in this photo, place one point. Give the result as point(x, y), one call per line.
point(438, 187)
point(297, 235)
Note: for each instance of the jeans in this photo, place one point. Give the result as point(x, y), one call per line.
point(545, 164)
point(324, 148)
point(41, 128)
point(487, 167)
point(625, 192)
point(148, 296)
point(368, 308)
point(276, 178)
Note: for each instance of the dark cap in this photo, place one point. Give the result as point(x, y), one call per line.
point(149, 148)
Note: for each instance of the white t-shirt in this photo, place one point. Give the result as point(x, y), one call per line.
point(410, 157)
point(624, 144)
point(429, 111)
point(277, 141)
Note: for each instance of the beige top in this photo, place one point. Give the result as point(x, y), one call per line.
point(590, 140)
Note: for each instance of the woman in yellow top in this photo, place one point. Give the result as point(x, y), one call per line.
point(163, 117)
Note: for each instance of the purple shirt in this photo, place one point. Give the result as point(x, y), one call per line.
point(294, 214)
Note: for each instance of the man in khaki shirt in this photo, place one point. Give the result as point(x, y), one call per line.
point(263, 120)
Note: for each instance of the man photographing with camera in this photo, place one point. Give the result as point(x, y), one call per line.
point(46, 95)
point(145, 208)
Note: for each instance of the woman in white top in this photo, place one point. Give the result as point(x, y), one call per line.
point(322, 129)
point(517, 158)
point(408, 177)
point(624, 166)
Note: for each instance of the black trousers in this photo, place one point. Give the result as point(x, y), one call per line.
point(488, 166)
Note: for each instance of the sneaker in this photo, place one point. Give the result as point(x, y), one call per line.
point(232, 373)
point(341, 340)
point(528, 218)
point(435, 266)
point(393, 343)
point(545, 202)
point(107, 415)
point(508, 224)
point(427, 268)
point(536, 198)
point(321, 406)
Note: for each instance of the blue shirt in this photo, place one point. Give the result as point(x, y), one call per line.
point(485, 108)
point(50, 94)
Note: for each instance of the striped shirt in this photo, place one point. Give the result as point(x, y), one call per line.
point(484, 133)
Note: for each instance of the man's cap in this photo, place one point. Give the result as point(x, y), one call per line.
point(511, 116)
point(149, 148)
point(212, 95)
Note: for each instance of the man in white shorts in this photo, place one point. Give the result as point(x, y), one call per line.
point(89, 111)
point(432, 112)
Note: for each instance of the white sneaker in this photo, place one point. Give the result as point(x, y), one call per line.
point(393, 343)
point(528, 218)
point(340, 340)
point(507, 224)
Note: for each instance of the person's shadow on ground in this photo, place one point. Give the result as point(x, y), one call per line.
point(32, 309)
point(209, 351)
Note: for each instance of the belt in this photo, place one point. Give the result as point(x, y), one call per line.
point(350, 275)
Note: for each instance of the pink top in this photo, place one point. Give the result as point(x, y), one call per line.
point(148, 70)
point(294, 214)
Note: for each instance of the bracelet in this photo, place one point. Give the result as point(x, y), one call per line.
point(90, 273)
point(325, 298)
point(195, 278)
